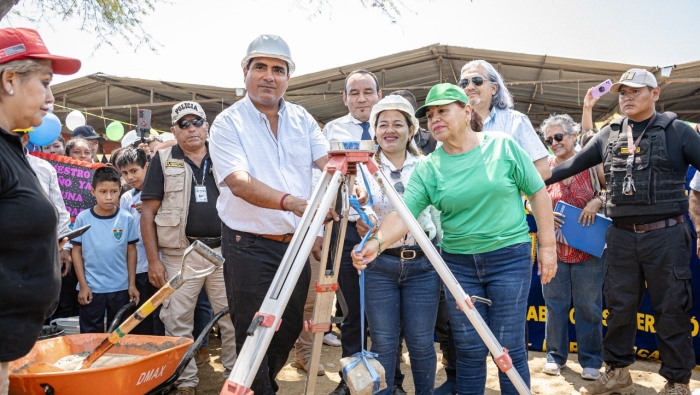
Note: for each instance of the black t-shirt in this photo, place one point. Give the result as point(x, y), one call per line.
point(29, 272)
point(682, 143)
point(425, 141)
point(202, 218)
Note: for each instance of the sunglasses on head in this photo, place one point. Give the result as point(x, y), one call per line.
point(476, 80)
point(557, 136)
point(186, 124)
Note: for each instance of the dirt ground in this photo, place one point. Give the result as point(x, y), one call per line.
point(291, 380)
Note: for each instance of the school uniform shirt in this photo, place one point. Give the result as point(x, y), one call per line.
point(104, 249)
point(128, 203)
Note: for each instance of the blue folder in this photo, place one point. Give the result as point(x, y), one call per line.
point(590, 239)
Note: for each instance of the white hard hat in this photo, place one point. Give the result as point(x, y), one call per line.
point(131, 137)
point(269, 46)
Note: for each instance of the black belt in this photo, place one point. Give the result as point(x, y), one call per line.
point(211, 242)
point(643, 228)
point(404, 253)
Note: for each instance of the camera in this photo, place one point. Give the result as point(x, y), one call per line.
point(143, 124)
point(602, 88)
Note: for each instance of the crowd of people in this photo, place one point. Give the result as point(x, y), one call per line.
point(241, 184)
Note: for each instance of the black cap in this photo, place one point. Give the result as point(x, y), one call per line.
point(87, 132)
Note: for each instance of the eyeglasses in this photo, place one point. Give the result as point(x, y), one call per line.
point(477, 80)
point(557, 136)
point(396, 175)
point(186, 124)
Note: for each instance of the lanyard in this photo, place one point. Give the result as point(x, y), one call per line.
point(628, 183)
point(204, 173)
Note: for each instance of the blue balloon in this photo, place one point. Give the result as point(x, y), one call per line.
point(47, 132)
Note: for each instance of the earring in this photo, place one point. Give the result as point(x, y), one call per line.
point(11, 92)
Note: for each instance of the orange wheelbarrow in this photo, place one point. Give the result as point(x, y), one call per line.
point(138, 364)
point(153, 359)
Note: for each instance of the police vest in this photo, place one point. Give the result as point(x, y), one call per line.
point(171, 218)
point(660, 189)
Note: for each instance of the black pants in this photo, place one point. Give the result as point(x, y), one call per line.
point(444, 335)
point(92, 315)
point(348, 280)
point(661, 259)
point(151, 324)
point(251, 265)
point(68, 305)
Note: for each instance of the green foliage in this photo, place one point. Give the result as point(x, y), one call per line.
point(107, 19)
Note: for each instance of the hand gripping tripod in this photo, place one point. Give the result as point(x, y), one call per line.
point(339, 175)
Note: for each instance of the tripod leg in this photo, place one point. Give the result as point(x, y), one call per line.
point(327, 284)
point(268, 319)
point(499, 353)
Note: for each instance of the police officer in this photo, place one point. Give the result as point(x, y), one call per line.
point(646, 156)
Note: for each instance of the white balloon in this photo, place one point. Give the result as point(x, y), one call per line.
point(167, 136)
point(74, 119)
point(129, 138)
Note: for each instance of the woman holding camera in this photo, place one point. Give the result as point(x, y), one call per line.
point(475, 180)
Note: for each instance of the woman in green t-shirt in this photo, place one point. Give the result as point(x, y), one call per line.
point(475, 180)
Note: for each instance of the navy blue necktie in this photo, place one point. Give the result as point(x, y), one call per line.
point(365, 131)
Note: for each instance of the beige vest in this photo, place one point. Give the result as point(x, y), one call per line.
point(171, 218)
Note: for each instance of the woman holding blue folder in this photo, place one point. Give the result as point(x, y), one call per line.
point(579, 275)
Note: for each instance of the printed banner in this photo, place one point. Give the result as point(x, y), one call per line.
point(74, 179)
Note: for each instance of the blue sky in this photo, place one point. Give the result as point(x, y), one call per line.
point(203, 42)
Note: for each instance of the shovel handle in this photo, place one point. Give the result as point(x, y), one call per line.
point(147, 308)
point(208, 253)
point(151, 304)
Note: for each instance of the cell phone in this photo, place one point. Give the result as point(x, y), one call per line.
point(74, 233)
point(143, 124)
point(602, 88)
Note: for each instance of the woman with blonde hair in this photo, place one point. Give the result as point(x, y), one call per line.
point(30, 270)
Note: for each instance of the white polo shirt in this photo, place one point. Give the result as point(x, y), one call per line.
point(241, 140)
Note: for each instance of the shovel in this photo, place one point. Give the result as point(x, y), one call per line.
point(185, 274)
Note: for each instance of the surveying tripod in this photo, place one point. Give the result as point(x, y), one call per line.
point(339, 176)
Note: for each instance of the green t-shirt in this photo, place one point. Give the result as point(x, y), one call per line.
point(477, 193)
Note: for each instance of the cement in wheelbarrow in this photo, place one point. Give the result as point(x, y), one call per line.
point(159, 357)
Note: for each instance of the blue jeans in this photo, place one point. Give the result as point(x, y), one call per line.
point(403, 292)
point(583, 282)
point(503, 276)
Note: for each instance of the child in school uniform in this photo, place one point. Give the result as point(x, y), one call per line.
point(104, 257)
point(133, 165)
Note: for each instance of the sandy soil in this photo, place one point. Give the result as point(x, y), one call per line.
point(291, 380)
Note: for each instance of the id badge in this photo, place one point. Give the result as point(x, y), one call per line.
point(200, 194)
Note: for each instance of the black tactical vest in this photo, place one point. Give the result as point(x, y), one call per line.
point(660, 189)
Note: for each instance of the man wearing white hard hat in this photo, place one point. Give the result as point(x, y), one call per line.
point(646, 156)
point(264, 149)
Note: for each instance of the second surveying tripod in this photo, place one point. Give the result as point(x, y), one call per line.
point(338, 176)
